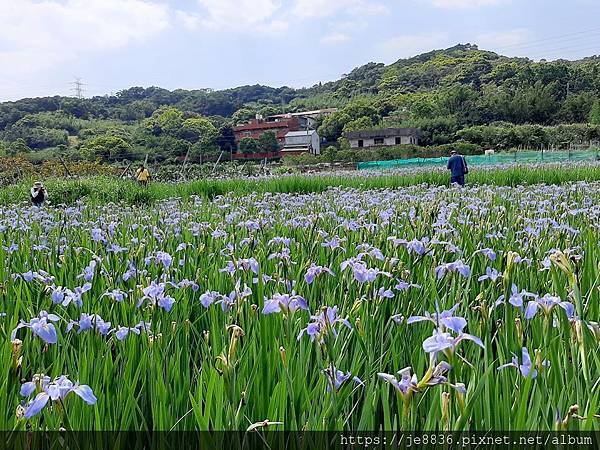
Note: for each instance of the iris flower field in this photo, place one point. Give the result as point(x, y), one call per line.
point(416, 308)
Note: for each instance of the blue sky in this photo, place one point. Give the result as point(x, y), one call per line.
point(115, 44)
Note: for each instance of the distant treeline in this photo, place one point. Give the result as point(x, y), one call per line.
point(453, 95)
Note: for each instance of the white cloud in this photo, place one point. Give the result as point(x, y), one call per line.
point(326, 8)
point(41, 34)
point(405, 46)
point(335, 37)
point(244, 16)
point(452, 4)
point(501, 39)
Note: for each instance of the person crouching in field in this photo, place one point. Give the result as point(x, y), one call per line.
point(142, 175)
point(457, 165)
point(39, 194)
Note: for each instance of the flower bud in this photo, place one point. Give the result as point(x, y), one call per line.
point(446, 410)
point(20, 412)
point(519, 328)
point(283, 356)
point(17, 347)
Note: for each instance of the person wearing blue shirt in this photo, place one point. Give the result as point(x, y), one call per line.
point(457, 165)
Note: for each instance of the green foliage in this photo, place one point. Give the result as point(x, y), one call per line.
point(168, 120)
point(267, 142)
point(594, 118)
point(362, 123)
point(108, 147)
point(18, 147)
point(505, 136)
point(330, 153)
point(248, 146)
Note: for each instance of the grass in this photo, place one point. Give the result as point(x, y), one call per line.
point(106, 189)
point(203, 368)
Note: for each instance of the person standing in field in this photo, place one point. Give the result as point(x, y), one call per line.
point(39, 194)
point(142, 175)
point(457, 165)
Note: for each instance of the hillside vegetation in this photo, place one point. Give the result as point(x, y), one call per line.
point(458, 94)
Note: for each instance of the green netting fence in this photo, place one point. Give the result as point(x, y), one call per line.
point(496, 158)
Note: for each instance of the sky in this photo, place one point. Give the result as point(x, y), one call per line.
point(191, 44)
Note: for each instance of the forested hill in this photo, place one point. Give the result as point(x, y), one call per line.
point(444, 92)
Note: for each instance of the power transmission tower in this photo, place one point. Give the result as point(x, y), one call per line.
point(78, 87)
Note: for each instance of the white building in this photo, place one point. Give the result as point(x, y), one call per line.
point(385, 137)
point(297, 142)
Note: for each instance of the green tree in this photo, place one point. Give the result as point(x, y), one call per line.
point(19, 146)
point(595, 113)
point(267, 142)
point(168, 120)
point(107, 147)
point(226, 139)
point(243, 115)
point(198, 129)
point(248, 146)
point(362, 123)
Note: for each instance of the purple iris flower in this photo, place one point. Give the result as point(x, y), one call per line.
point(185, 283)
point(526, 367)
point(66, 296)
point(164, 258)
point(98, 235)
point(406, 384)
point(249, 264)
point(490, 274)
point(314, 270)
point(58, 389)
point(84, 323)
point(322, 323)
point(361, 272)
point(487, 252)
point(385, 293)
point(333, 243)
point(516, 298)
point(238, 294)
point(456, 266)
point(209, 297)
point(88, 321)
point(547, 303)
point(116, 294)
point(443, 320)
point(336, 378)
point(369, 250)
point(122, 332)
point(89, 271)
point(441, 341)
point(284, 302)
point(155, 293)
point(404, 286)
point(278, 240)
point(41, 327)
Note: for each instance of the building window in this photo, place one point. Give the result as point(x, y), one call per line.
point(361, 143)
point(378, 141)
point(398, 140)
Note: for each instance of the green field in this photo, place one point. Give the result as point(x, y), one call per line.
point(110, 189)
point(218, 313)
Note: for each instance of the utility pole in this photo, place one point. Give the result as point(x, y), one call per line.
point(78, 88)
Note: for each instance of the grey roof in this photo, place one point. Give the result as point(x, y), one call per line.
point(300, 133)
point(383, 133)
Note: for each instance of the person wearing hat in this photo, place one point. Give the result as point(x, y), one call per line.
point(457, 165)
point(39, 194)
